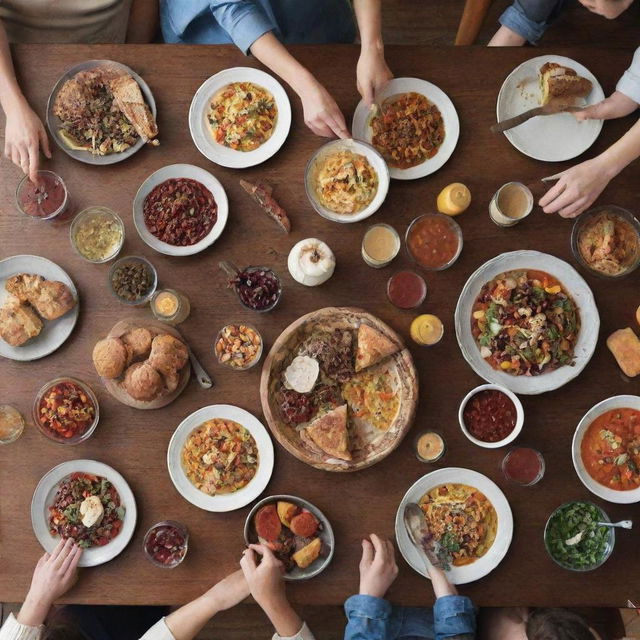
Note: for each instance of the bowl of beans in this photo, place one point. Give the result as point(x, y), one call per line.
point(133, 280)
point(238, 346)
point(66, 411)
point(491, 416)
point(573, 538)
point(166, 543)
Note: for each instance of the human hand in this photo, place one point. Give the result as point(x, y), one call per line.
point(24, 134)
point(617, 105)
point(321, 113)
point(372, 73)
point(53, 576)
point(378, 568)
point(265, 579)
point(229, 592)
point(576, 189)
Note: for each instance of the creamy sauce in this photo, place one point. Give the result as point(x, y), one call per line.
point(513, 202)
point(380, 245)
point(430, 446)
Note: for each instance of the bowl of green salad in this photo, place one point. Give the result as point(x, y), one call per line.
point(573, 538)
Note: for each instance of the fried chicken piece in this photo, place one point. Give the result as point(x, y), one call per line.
point(128, 98)
point(139, 341)
point(18, 323)
point(142, 381)
point(51, 299)
point(168, 354)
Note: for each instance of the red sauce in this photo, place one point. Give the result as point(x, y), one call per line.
point(406, 290)
point(44, 199)
point(523, 465)
point(610, 449)
point(433, 241)
point(490, 415)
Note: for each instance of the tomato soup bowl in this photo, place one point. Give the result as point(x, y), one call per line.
point(602, 491)
point(434, 241)
point(519, 416)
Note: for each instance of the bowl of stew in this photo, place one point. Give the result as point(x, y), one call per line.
point(434, 241)
point(491, 416)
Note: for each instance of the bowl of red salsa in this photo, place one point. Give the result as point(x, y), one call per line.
point(491, 416)
point(434, 241)
point(166, 544)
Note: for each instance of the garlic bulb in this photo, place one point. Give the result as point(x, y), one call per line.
point(311, 262)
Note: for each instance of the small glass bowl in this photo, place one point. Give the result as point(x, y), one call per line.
point(275, 302)
point(77, 439)
point(510, 478)
point(152, 288)
point(581, 223)
point(608, 549)
point(418, 279)
point(435, 216)
point(227, 363)
point(183, 532)
point(25, 182)
point(417, 450)
point(94, 213)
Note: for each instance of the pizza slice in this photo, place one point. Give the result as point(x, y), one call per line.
point(373, 347)
point(329, 432)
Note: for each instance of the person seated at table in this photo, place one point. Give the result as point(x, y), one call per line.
point(371, 617)
point(63, 21)
point(578, 187)
point(263, 27)
point(56, 573)
point(527, 20)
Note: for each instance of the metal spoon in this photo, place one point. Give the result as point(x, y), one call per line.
point(204, 380)
point(623, 524)
point(416, 526)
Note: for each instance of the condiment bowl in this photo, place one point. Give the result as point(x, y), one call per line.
point(48, 433)
point(152, 288)
point(166, 523)
point(519, 416)
point(274, 303)
point(376, 161)
point(95, 213)
point(608, 548)
point(251, 363)
point(25, 182)
point(455, 227)
point(581, 223)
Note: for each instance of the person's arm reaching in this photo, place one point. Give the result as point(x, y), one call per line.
point(454, 617)
point(24, 131)
point(372, 72)
point(525, 21)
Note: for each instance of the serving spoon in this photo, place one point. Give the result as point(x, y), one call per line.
point(622, 524)
point(416, 526)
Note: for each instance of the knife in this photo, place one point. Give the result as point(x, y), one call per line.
point(545, 110)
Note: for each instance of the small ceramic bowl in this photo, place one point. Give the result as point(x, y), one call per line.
point(519, 416)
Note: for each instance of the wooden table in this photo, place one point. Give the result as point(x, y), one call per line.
point(135, 442)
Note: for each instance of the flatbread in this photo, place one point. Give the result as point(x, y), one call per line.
point(373, 346)
point(330, 433)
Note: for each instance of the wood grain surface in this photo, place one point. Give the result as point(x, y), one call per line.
point(135, 442)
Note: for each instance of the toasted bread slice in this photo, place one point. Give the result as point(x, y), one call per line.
point(18, 323)
point(562, 83)
point(625, 346)
point(128, 98)
point(373, 347)
point(329, 432)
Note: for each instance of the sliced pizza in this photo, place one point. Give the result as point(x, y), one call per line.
point(329, 432)
point(373, 347)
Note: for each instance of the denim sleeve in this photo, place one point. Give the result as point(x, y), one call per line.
point(367, 618)
point(530, 18)
point(629, 84)
point(244, 20)
point(454, 616)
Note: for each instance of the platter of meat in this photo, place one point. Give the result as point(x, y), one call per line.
point(298, 533)
point(180, 210)
point(38, 307)
point(339, 389)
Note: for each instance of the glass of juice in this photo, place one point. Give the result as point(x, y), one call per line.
point(523, 466)
point(44, 200)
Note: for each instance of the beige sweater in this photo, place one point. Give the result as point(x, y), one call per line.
point(81, 21)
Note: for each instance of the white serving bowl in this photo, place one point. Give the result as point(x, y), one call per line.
point(519, 416)
point(376, 161)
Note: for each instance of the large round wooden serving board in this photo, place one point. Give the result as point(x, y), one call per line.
point(114, 386)
point(398, 368)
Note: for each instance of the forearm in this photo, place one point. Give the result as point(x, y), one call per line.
point(369, 18)
point(33, 611)
point(186, 622)
point(284, 619)
point(621, 153)
point(441, 585)
point(10, 92)
point(505, 37)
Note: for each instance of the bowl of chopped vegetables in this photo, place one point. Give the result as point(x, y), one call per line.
point(573, 538)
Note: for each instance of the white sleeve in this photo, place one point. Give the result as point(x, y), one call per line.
point(159, 631)
point(629, 84)
point(303, 634)
point(13, 630)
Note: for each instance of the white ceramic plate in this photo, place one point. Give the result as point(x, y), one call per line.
point(550, 138)
point(355, 146)
point(228, 501)
point(181, 171)
point(54, 123)
point(45, 493)
point(362, 131)
point(201, 131)
point(54, 332)
point(611, 495)
point(574, 284)
point(490, 560)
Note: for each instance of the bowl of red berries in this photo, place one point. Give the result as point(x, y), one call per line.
point(166, 544)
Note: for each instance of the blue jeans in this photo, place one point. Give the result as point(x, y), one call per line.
point(372, 618)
